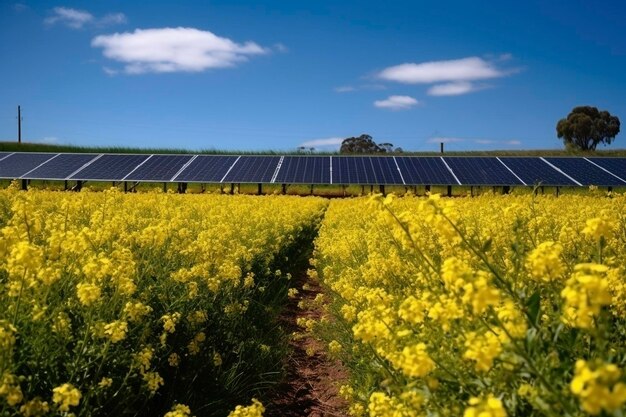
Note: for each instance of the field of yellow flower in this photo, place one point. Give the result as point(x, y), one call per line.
point(477, 307)
point(148, 304)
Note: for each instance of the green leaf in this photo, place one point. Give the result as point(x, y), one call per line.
point(534, 306)
point(487, 245)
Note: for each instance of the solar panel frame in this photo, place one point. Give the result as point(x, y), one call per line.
point(584, 172)
point(110, 167)
point(19, 163)
point(425, 170)
point(480, 170)
point(61, 167)
point(159, 168)
point(535, 171)
point(304, 170)
point(253, 169)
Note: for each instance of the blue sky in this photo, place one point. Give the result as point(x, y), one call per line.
point(280, 74)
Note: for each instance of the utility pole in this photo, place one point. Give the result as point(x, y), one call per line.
point(19, 124)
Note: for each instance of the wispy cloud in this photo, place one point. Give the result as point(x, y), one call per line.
point(112, 19)
point(396, 103)
point(72, 18)
point(174, 50)
point(364, 87)
point(325, 143)
point(20, 7)
point(77, 19)
point(344, 89)
point(451, 77)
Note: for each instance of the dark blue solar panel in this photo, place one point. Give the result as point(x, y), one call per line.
point(616, 166)
point(584, 171)
point(60, 167)
point(159, 168)
point(352, 170)
point(534, 171)
point(304, 170)
point(253, 169)
point(110, 167)
point(481, 171)
point(18, 164)
point(385, 170)
point(4, 155)
point(207, 168)
point(424, 171)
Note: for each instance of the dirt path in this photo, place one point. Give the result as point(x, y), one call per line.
point(311, 385)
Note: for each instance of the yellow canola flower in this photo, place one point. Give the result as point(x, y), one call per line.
point(179, 410)
point(598, 387)
point(256, 409)
point(116, 331)
point(87, 293)
point(482, 349)
point(585, 293)
point(599, 227)
point(35, 408)
point(485, 407)
point(10, 389)
point(544, 263)
point(414, 361)
point(66, 396)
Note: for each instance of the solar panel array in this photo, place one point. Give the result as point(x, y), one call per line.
point(343, 170)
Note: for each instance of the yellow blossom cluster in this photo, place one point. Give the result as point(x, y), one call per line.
point(108, 298)
point(486, 306)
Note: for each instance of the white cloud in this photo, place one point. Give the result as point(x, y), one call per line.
point(513, 142)
point(326, 143)
point(77, 19)
point(396, 103)
point(452, 89)
point(174, 50)
point(444, 140)
point(465, 69)
point(485, 141)
point(72, 18)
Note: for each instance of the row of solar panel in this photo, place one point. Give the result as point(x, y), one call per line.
point(408, 170)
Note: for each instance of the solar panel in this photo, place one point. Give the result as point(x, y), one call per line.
point(534, 171)
point(481, 171)
point(4, 155)
point(60, 167)
point(18, 164)
point(159, 168)
point(424, 171)
point(616, 166)
point(351, 170)
point(304, 170)
point(385, 170)
point(253, 169)
point(207, 168)
point(584, 171)
point(110, 167)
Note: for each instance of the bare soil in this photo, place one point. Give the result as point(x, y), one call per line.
point(312, 382)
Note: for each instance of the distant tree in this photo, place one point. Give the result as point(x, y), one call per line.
point(585, 127)
point(364, 144)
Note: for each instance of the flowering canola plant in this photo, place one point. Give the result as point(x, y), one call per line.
point(487, 306)
point(144, 304)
